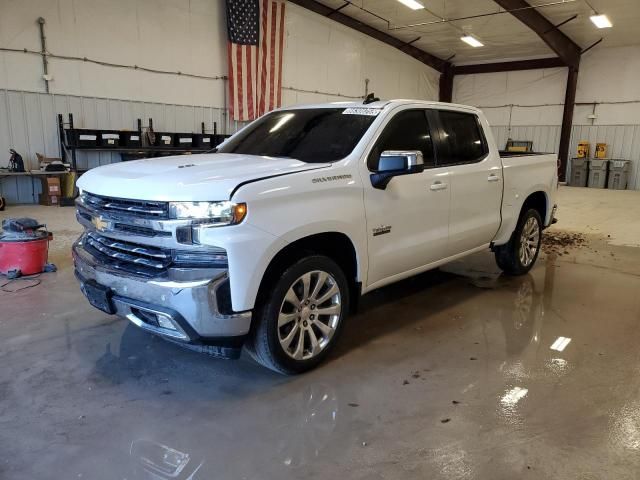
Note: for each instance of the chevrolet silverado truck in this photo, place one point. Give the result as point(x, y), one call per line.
point(268, 242)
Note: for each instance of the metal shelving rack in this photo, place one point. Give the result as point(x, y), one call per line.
point(68, 152)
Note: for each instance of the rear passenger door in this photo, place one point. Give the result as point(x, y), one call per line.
point(475, 176)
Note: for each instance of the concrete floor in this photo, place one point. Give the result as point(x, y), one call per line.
point(447, 375)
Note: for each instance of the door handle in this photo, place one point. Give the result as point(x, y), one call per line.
point(493, 178)
point(438, 185)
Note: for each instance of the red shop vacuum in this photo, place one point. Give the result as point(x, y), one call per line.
point(24, 248)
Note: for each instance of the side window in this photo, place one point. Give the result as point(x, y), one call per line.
point(407, 130)
point(462, 136)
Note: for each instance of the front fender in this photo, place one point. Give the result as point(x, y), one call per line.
point(249, 250)
point(292, 207)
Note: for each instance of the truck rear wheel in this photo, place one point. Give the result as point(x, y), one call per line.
point(299, 320)
point(519, 255)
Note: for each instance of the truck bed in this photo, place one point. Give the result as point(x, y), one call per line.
point(505, 154)
point(523, 174)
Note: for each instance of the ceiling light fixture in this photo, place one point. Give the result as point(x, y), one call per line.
point(471, 40)
point(412, 4)
point(601, 21)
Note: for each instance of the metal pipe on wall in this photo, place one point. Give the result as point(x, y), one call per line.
point(43, 48)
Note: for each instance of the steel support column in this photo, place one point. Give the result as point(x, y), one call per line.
point(567, 121)
point(446, 85)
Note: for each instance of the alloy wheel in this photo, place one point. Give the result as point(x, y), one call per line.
point(309, 315)
point(529, 241)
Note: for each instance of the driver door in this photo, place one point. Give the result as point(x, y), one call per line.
point(408, 221)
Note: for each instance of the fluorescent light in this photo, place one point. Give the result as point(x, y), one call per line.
point(473, 41)
point(560, 344)
point(412, 4)
point(601, 21)
point(513, 396)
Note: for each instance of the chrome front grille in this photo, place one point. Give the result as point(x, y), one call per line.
point(137, 208)
point(127, 228)
point(150, 261)
point(121, 236)
point(133, 254)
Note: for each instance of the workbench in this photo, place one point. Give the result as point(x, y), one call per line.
point(33, 174)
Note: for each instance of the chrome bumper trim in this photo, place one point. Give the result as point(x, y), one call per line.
point(190, 303)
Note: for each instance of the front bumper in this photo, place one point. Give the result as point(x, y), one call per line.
point(184, 308)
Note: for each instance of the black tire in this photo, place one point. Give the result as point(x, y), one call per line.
point(508, 256)
point(264, 344)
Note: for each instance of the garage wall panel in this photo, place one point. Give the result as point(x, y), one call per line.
point(528, 105)
point(28, 123)
point(189, 36)
point(623, 142)
point(325, 59)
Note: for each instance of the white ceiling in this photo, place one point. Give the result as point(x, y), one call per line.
point(505, 37)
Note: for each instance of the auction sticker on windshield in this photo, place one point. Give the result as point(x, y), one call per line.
point(372, 112)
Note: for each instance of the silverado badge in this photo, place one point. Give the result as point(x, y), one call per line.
point(381, 230)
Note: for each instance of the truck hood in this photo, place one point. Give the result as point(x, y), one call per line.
point(203, 177)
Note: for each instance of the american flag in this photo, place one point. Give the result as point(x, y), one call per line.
point(255, 48)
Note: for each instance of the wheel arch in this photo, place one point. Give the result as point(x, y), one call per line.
point(538, 197)
point(336, 245)
point(539, 201)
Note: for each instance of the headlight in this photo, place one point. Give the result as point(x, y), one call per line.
point(211, 213)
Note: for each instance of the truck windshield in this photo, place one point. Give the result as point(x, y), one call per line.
point(310, 135)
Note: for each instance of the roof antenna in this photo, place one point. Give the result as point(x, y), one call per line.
point(370, 99)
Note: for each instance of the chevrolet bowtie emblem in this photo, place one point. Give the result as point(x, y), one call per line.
point(100, 224)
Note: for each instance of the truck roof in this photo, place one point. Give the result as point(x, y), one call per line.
point(382, 104)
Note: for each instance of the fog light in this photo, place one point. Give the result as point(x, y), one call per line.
point(165, 322)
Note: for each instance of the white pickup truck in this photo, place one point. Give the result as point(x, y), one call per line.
point(269, 242)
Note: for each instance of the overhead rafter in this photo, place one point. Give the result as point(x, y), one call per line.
point(508, 66)
point(335, 14)
point(562, 45)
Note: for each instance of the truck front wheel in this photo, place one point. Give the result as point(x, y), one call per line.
point(518, 255)
point(299, 320)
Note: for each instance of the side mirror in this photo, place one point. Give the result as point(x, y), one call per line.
point(393, 163)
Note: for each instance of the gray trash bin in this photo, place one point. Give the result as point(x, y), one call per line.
point(579, 172)
point(598, 173)
point(619, 174)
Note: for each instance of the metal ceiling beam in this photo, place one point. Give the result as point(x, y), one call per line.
point(508, 66)
point(337, 16)
point(562, 45)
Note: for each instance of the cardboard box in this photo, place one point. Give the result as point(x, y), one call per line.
point(51, 186)
point(44, 160)
point(49, 200)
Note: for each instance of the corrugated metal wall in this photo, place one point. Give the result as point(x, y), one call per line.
point(623, 141)
point(545, 138)
point(28, 123)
